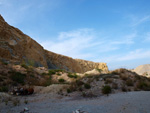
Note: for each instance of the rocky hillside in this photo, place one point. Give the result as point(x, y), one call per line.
point(143, 70)
point(18, 48)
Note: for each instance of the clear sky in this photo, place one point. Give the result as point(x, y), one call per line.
point(113, 31)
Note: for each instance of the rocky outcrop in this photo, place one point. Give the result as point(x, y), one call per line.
point(89, 65)
point(143, 70)
point(16, 47)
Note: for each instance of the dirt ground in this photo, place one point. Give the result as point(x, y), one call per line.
point(130, 102)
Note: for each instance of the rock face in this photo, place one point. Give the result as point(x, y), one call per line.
point(73, 65)
point(16, 47)
point(143, 70)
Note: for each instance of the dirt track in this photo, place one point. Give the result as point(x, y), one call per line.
point(131, 102)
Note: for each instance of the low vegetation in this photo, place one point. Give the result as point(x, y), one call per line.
point(129, 82)
point(106, 89)
point(24, 66)
point(123, 88)
point(143, 85)
point(17, 77)
point(3, 89)
point(54, 71)
point(87, 86)
point(61, 80)
point(70, 75)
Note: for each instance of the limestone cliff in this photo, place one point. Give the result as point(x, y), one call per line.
point(16, 47)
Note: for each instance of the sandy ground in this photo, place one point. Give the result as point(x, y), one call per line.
point(131, 102)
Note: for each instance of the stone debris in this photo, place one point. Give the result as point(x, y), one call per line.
point(79, 111)
point(26, 110)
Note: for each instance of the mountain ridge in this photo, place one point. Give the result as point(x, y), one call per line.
point(18, 48)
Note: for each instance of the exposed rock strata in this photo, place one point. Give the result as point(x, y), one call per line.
point(16, 47)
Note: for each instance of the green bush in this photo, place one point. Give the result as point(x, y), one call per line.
point(87, 86)
point(123, 88)
point(143, 85)
point(72, 75)
point(25, 66)
point(1, 78)
point(124, 77)
point(79, 83)
point(129, 82)
point(18, 77)
point(26, 101)
point(58, 74)
point(51, 72)
point(68, 90)
point(47, 83)
point(99, 70)
point(44, 74)
point(61, 80)
point(3, 89)
point(108, 80)
point(106, 89)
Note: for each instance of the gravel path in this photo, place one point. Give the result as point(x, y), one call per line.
point(131, 102)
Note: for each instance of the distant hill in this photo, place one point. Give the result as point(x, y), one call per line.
point(143, 70)
point(18, 48)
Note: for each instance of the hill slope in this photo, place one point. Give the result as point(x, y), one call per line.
point(143, 70)
point(18, 48)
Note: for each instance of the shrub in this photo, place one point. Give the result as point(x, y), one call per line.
point(59, 70)
point(26, 101)
point(68, 91)
point(115, 86)
point(44, 74)
point(18, 77)
point(6, 102)
point(129, 89)
point(46, 83)
point(58, 74)
point(114, 73)
point(5, 63)
point(83, 94)
point(51, 72)
point(79, 83)
point(108, 80)
point(80, 89)
point(1, 79)
point(99, 70)
point(25, 66)
point(61, 80)
point(3, 89)
point(137, 77)
point(106, 89)
point(123, 88)
point(97, 77)
point(72, 75)
point(143, 85)
point(87, 86)
point(129, 82)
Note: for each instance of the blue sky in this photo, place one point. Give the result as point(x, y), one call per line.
point(113, 31)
